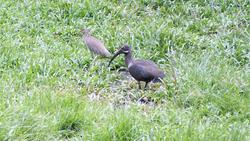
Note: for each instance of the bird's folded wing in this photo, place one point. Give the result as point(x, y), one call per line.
point(97, 46)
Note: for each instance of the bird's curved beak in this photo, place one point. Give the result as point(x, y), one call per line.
point(115, 55)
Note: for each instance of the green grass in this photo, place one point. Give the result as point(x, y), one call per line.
point(51, 88)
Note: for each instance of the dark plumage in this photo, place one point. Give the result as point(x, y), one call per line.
point(94, 45)
point(141, 70)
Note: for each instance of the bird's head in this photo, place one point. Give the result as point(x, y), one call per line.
point(125, 49)
point(85, 31)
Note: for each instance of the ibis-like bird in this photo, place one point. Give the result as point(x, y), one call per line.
point(94, 45)
point(140, 70)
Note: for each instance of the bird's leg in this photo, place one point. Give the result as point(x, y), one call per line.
point(146, 85)
point(92, 55)
point(139, 84)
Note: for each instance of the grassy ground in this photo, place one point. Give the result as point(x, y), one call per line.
point(51, 88)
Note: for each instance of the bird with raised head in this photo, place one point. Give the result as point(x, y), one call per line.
point(140, 70)
point(94, 45)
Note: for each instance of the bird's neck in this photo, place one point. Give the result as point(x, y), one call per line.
point(128, 58)
point(86, 35)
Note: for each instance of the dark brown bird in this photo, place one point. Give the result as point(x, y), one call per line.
point(94, 45)
point(141, 70)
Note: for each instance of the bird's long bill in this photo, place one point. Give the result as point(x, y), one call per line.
point(116, 54)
